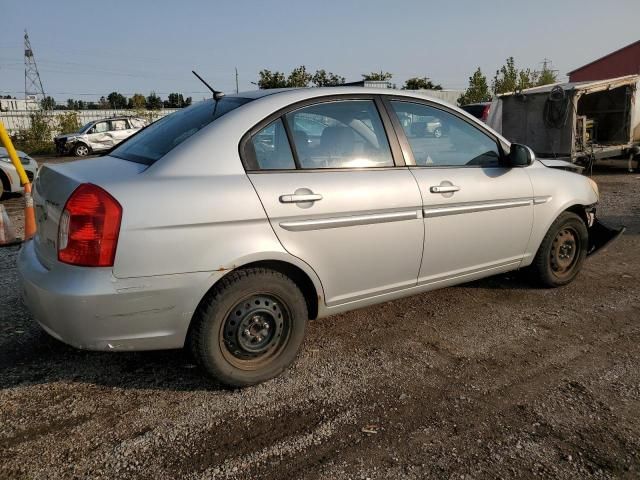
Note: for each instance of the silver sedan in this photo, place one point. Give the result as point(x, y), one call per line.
point(226, 226)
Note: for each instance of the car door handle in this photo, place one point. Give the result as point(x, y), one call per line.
point(444, 188)
point(298, 197)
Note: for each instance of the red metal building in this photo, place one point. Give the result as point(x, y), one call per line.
point(625, 61)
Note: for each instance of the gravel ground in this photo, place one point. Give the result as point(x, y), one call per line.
point(492, 379)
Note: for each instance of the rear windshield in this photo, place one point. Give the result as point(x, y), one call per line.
point(155, 141)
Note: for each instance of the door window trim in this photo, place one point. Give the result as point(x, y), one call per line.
point(404, 141)
point(247, 153)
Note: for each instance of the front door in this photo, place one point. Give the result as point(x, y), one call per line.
point(337, 201)
point(478, 214)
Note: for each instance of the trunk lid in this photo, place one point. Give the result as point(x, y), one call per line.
point(55, 184)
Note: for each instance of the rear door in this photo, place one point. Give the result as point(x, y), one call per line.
point(336, 199)
point(478, 213)
point(120, 130)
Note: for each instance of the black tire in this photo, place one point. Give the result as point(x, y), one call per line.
point(562, 251)
point(81, 150)
point(249, 327)
point(5, 188)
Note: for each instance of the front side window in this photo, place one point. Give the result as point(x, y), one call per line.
point(155, 141)
point(440, 139)
point(341, 134)
point(100, 127)
point(271, 147)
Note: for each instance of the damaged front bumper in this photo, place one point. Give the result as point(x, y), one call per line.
point(601, 234)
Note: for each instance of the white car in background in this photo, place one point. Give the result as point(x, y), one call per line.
point(97, 136)
point(9, 179)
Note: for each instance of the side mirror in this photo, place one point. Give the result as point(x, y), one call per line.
point(520, 156)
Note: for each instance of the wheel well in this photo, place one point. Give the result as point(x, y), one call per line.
point(579, 210)
point(298, 276)
point(5, 181)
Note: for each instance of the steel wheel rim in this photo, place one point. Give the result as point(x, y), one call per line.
point(255, 331)
point(565, 252)
point(437, 133)
point(82, 151)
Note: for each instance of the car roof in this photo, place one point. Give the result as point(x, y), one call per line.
point(313, 92)
point(122, 117)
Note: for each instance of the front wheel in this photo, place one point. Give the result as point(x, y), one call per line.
point(81, 150)
point(250, 327)
point(562, 251)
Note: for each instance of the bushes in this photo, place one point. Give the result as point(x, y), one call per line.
point(68, 122)
point(37, 138)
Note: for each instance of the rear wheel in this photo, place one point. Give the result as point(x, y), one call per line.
point(81, 150)
point(250, 327)
point(562, 251)
point(437, 132)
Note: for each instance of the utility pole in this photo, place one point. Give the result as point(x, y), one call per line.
point(32, 83)
point(236, 79)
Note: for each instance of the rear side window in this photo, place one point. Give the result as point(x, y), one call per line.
point(272, 149)
point(341, 134)
point(441, 139)
point(159, 138)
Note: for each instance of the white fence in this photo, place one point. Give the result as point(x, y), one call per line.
point(14, 121)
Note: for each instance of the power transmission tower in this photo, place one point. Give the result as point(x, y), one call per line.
point(33, 89)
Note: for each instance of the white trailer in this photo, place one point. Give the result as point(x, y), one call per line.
point(587, 123)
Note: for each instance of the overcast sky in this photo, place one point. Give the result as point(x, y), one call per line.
point(85, 49)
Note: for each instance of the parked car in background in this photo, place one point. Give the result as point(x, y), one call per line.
point(98, 135)
point(422, 126)
point(478, 110)
point(294, 204)
point(9, 179)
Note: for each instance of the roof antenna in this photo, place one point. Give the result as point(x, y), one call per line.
point(217, 95)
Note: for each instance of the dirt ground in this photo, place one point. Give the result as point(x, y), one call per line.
point(492, 379)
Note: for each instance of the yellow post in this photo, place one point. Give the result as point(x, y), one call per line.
point(29, 213)
point(6, 142)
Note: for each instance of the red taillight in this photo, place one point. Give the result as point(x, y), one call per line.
point(89, 228)
point(485, 113)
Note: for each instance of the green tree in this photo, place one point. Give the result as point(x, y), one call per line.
point(323, 78)
point(377, 76)
point(188, 101)
point(117, 100)
point(420, 83)
point(137, 102)
point(477, 91)
point(269, 79)
point(72, 104)
point(154, 102)
point(299, 78)
point(509, 79)
point(48, 103)
point(546, 76)
point(174, 100)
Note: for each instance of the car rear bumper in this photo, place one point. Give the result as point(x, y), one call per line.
point(89, 308)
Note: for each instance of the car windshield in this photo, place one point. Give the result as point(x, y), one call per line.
point(156, 140)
